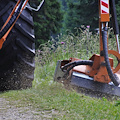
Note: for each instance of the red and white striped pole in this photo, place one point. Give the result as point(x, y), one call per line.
point(104, 7)
point(104, 10)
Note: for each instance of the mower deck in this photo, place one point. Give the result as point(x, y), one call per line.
point(85, 84)
point(82, 83)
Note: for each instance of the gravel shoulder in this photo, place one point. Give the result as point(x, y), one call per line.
point(9, 111)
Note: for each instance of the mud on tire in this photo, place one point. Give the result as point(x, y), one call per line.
point(17, 55)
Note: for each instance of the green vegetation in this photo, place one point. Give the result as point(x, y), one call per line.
point(56, 15)
point(67, 105)
point(47, 21)
point(51, 97)
point(81, 13)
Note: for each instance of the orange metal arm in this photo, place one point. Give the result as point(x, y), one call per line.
point(2, 40)
point(11, 14)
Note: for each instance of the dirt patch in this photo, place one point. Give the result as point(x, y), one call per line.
point(11, 112)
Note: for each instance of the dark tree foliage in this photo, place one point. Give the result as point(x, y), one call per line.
point(64, 4)
point(118, 11)
point(84, 12)
point(47, 21)
point(81, 12)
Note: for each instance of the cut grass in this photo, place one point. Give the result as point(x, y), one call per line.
point(63, 104)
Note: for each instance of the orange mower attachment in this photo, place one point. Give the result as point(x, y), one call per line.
point(95, 76)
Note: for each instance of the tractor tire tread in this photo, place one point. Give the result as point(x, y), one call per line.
point(17, 62)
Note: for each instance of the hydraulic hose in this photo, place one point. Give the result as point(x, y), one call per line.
point(76, 63)
point(11, 21)
point(112, 76)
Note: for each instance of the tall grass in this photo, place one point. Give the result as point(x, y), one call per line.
point(83, 44)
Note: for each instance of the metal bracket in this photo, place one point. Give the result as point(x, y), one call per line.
point(38, 8)
point(59, 74)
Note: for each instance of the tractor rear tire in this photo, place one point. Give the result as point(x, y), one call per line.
point(17, 54)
